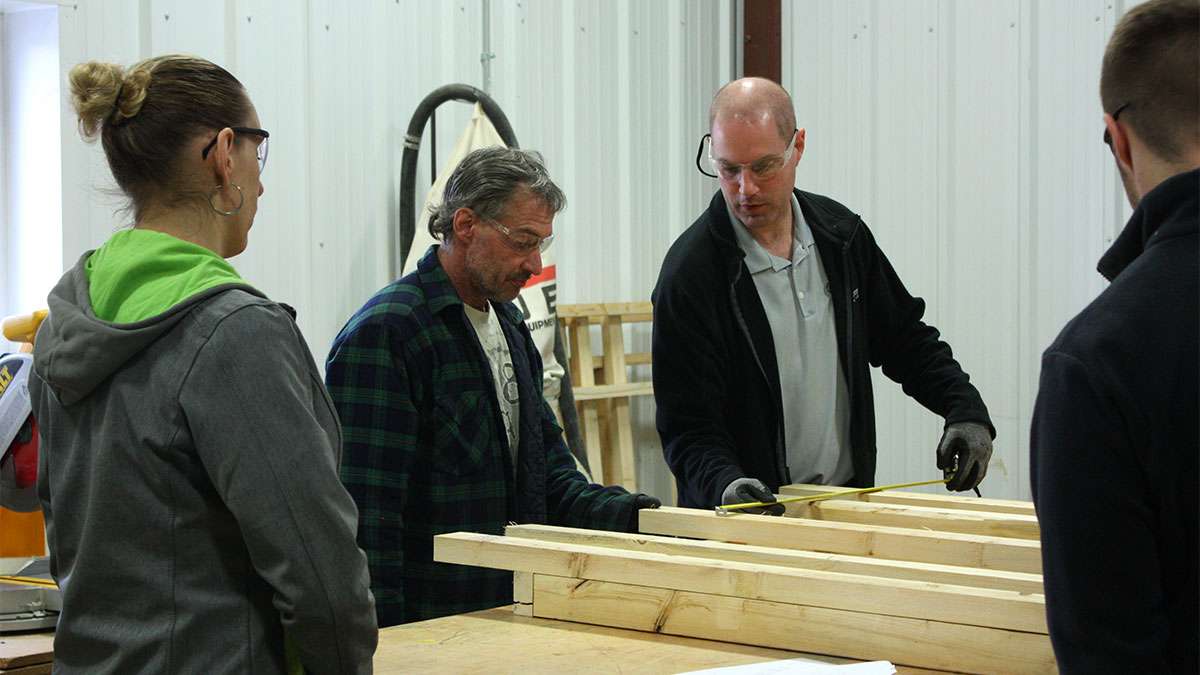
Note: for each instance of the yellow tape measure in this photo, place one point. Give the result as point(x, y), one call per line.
point(28, 581)
point(728, 509)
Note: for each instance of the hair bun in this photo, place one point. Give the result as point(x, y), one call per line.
point(132, 94)
point(97, 87)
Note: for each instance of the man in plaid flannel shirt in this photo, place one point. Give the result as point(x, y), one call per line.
point(438, 386)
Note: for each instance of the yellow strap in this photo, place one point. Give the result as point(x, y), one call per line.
point(724, 509)
point(28, 581)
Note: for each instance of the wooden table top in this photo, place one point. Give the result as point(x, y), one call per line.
point(497, 641)
point(26, 652)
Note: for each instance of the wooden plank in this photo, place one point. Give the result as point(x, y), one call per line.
point(631, 359)
point(28, 649)
point(919, 517)
point(628, 311)
point(523, 593)
point(944, 548)
point(763, 555)
point(601, 391)
point(895, 597)
point(582, 369)
point(39, 669)
point(638, 358)
point(587, 310)
point(861, 635)
point(942, 501)
point(620, 429)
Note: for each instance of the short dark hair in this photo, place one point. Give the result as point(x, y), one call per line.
point(145, 116)
point(1152, 64)
point(486, 179)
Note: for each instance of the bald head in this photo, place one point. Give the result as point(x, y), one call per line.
point(754, 100)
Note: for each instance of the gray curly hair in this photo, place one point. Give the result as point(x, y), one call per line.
point(484, 182)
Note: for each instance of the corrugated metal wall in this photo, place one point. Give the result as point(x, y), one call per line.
point(614, 94)
point(967, 134)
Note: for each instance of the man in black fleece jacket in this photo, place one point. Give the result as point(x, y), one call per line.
point(1115, 434)
point(768, 313)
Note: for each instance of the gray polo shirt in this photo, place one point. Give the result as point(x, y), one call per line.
point(816, 410)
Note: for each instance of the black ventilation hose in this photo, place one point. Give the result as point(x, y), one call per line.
point(412, 149)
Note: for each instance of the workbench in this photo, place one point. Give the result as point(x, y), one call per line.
point(498, 641)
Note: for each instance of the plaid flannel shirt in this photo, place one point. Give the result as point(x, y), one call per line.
point(425, 451)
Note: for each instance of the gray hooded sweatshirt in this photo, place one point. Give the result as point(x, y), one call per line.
point(188, 475)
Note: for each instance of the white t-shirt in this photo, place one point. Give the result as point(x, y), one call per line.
point(495, 347)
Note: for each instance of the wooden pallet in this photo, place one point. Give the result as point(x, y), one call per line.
point(601, 385)
point(916, 596)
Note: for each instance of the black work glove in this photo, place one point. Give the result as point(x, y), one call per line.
point(965, 450)
point(641, 501)
point(744, 490)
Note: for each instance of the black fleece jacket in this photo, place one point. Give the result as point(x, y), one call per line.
point(716, 380)
point(1115, 440)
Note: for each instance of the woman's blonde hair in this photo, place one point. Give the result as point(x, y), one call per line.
point(145, 115)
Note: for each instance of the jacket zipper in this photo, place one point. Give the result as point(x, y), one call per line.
point(780, 453)
point(850, 359)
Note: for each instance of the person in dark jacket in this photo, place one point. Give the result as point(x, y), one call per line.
point(768, 313)
point(439, 387)
point(1115, 435)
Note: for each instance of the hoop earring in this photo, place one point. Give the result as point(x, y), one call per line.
point(241, 200)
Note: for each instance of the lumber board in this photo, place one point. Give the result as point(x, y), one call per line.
point(880, 541)
point(39, 669)
point(920, 517)
point(862, 635)
point(628, 311)
point(896, 597)
point(25, 649)
point(602, 391)
point(620, 432)
point(523, 593)
point(941, 501)
point(583, 376)
point(638, 359)
point(631, 359)
point(830, 562)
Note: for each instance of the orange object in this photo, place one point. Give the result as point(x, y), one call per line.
point(22, 534)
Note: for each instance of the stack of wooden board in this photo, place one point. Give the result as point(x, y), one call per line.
point(836, 578)
point(27, 654)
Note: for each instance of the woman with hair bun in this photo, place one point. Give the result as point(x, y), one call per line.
point(188, 474)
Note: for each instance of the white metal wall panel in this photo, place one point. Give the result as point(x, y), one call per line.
point(110, 32)
point(967, 136)
point(30, 199)
point(614, 94)
point(965, 133)
point(278, 79)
